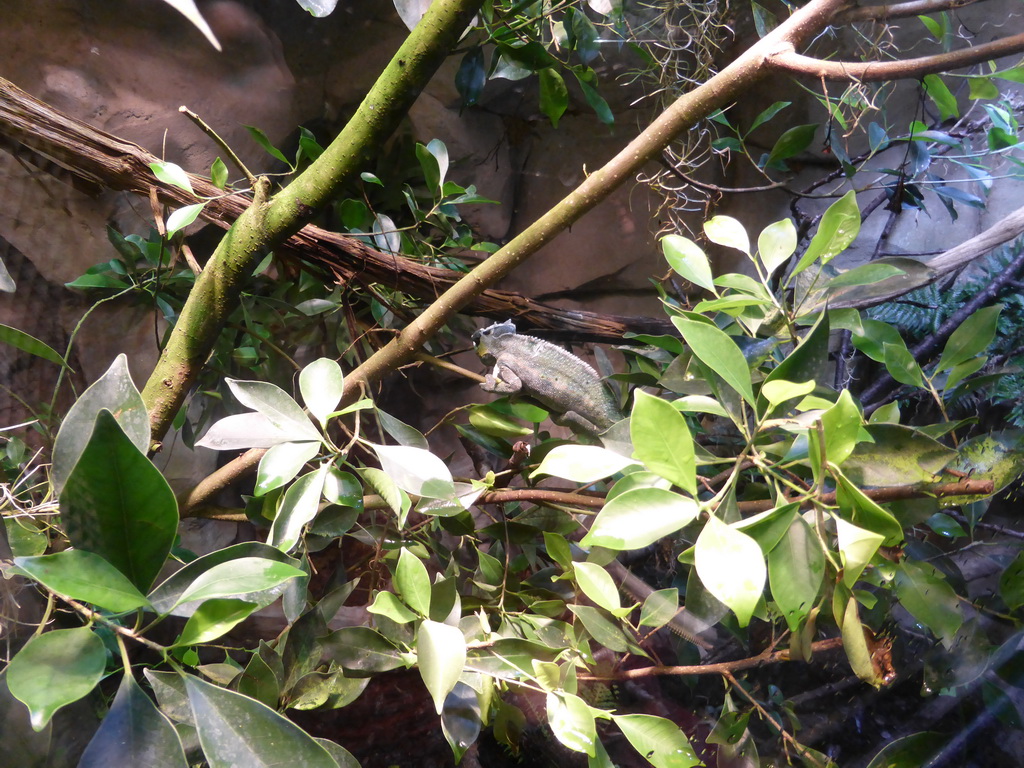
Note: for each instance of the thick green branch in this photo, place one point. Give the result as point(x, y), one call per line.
point(267, 224)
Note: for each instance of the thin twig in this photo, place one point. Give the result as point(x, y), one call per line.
point(219, 142)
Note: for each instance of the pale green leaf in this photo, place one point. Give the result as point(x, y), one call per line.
point(662, 441)
point(322, 384)
point(441, 655)
point(727, 231)
point(416, 471)
point(637, 518)
point(776, 243)
point(582, 463)
point(413, 582)
point(688, 261)
point(598, 585)
point(731, 567)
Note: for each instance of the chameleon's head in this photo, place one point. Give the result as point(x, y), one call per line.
point(484, 339)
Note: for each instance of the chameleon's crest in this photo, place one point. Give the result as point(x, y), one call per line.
point(497, 329)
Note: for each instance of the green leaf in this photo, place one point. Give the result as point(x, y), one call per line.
point(776, 243)
point(441, 654)
point(134, 733)
point(910, 751)
point(259, 682)
point(865, 274)
point(281, 463)
point(727, 231)
point(261, 138)
point(572, 722)
point(219, 174)
point(1011, 583)
point(607, 632)
point(662, 441)
point(897, 455)
point(235, 730)
point(767, 114)
point(856, 548)
point(182, 217)
point(554, 96)
point(114, 391)
point(856, 646)
point(84, 576)
point(582, 463)
point(659, 740)
point(322, 384)
point(277, 406)
point(416, 471)
point(838, 228)
point(796, 568)
point(659, 608)
point(865, 512)
point(595, 100)
point(28, 343)
point(923, 591)
point(54, 669)
point(166, 596)
point(172, 174)
point(779, 390)
point(598, 585)
point(731, 567)
point(214, 618)
point(842, 426)
point(719, 352)
point(637, 518)
point(387, 604)
point(982, 88)
point(471, 76)
point(412, 582)
point(361, 650)
point(241, 576)
point(971, 338)
point(117, 504)
point(791, 143)
point(688, 261)
point(901, 365)
point(300, 504)
point(939, 93)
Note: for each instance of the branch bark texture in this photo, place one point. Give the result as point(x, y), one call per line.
point(267, 223)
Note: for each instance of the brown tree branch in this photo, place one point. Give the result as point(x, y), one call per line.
point(723, 667)
point(786, 59)
point(880, 13)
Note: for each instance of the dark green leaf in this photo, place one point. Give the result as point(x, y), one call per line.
point(117, 504)
point(28, 343)
point(235, 730)
point(971, 338)
point(554, 96)
point(83, 576)
point(471, 77)
point(114, 391)
point(361, 651)
point(261, 138)
point(134, 733)
point(791, 143)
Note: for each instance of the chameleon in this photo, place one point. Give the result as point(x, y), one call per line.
point(554, 377)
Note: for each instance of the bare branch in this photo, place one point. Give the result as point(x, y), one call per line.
point(900, 10)
point(798, 65)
